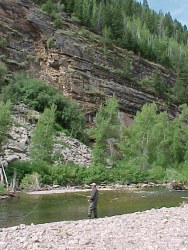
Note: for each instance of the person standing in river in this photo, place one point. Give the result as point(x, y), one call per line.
point(93, 200)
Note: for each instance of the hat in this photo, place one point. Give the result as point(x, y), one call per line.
point(93, 184)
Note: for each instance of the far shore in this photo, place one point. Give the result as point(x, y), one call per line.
point(57, 189)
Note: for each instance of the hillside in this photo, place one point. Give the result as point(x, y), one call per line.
point(75, 60)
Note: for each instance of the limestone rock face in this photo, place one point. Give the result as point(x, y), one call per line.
point(75, 61)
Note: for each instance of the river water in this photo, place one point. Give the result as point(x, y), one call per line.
point(40, 208)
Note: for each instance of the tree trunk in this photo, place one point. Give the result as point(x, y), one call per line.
point(1, 177)
point(5, 177)
point(14, 182)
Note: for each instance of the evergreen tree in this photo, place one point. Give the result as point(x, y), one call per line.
point(158, 83)
point(132, 25)
point(181, 84)
point(3, 71)
point(183, 125)
point(128, 7)
point(145, 4)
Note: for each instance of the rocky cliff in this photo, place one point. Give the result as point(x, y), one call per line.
point(75, 60)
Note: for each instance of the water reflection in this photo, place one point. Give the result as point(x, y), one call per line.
point(27, 209)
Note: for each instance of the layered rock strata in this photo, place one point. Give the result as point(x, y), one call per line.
point(76, 61)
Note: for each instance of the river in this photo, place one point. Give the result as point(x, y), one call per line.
point(43, 208)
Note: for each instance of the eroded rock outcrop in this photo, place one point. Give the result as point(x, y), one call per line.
point(69, 149)
point(66, 149)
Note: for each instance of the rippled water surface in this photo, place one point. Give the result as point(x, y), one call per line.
point(27, 208)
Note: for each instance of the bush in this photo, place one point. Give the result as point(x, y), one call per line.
point(49, 42)
point(3, 42)
point(57, 22)
point(173, 174)
point(67, 175)
point(39, 96)
point(98, 174)
point(128, 172)
point(184, 172)
point(156, 173)
point(3, 71)
point(24, 168)
point(2, 189)
point(31, 182)
point(5, 120)
point(52, 7)
point(70, 174)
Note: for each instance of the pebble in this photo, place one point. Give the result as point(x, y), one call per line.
point(159, 229)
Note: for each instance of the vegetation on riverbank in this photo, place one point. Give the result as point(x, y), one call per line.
point(153, 148)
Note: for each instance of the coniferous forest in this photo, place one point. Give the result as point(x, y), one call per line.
point(133, 26)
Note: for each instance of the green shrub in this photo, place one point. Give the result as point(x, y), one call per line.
point(2, 189)
point(173, 174)
point(30, 182)
point(24, 168)
point(57, 22)
point(49, 42)
point(5, 120)
point(3, 71)
point(3, 42)
point(39, 96)
point(146, 82)
point(68, 174)
point(52, 7)
point(184, 172)
point(156, 174)
point(98, 174)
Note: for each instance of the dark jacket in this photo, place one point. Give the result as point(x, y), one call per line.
point(94, 196)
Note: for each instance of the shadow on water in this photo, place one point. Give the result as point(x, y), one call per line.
point(27, 209)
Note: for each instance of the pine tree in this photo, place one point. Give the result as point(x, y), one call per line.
point(181, 84)
point(145, 4)
point(158, 83)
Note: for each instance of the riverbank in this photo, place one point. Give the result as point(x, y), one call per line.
point(162, 229)
point(60, 190)
point(68, 189)
point(131, 187)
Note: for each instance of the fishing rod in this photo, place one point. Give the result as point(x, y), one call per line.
point(82, 195)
